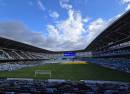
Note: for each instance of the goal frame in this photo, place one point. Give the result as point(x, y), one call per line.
point(43, 72)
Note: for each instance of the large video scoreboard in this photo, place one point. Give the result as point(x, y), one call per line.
point(69, 54)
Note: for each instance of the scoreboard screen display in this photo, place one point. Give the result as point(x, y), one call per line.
point(69, 54)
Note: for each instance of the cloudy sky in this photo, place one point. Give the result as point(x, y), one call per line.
point(58, 24)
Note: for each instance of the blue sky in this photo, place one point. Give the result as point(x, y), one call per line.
point(58, 24)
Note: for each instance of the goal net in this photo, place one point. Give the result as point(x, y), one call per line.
point(43, 72)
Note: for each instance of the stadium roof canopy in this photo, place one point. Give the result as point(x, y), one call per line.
point(116, 33)
point(15, 45)
point(11, 44)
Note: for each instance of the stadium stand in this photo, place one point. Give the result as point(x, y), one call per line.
point(30, 86)
point(120, 64)
point(112, 47)
point(16, 55)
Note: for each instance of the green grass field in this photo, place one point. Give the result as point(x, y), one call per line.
point(71, 72)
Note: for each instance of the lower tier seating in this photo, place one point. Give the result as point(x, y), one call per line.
point(30, 86)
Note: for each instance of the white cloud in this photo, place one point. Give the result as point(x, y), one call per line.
point(68, 34)
point(95, 28)
point(71, 34)
point(53, 32)
point(128, 7)
point(54, 14)
point(18, 32)
point(86, 19)
point(40, 4)
point(97, 24)
point(65, 4)
point(125, 1)
point(72, 27)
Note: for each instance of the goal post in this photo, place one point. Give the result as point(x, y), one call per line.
point(43, 72)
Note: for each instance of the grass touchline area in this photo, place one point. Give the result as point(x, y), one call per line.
point(70, 72)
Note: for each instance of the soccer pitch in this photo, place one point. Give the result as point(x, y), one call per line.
point(71, 71)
